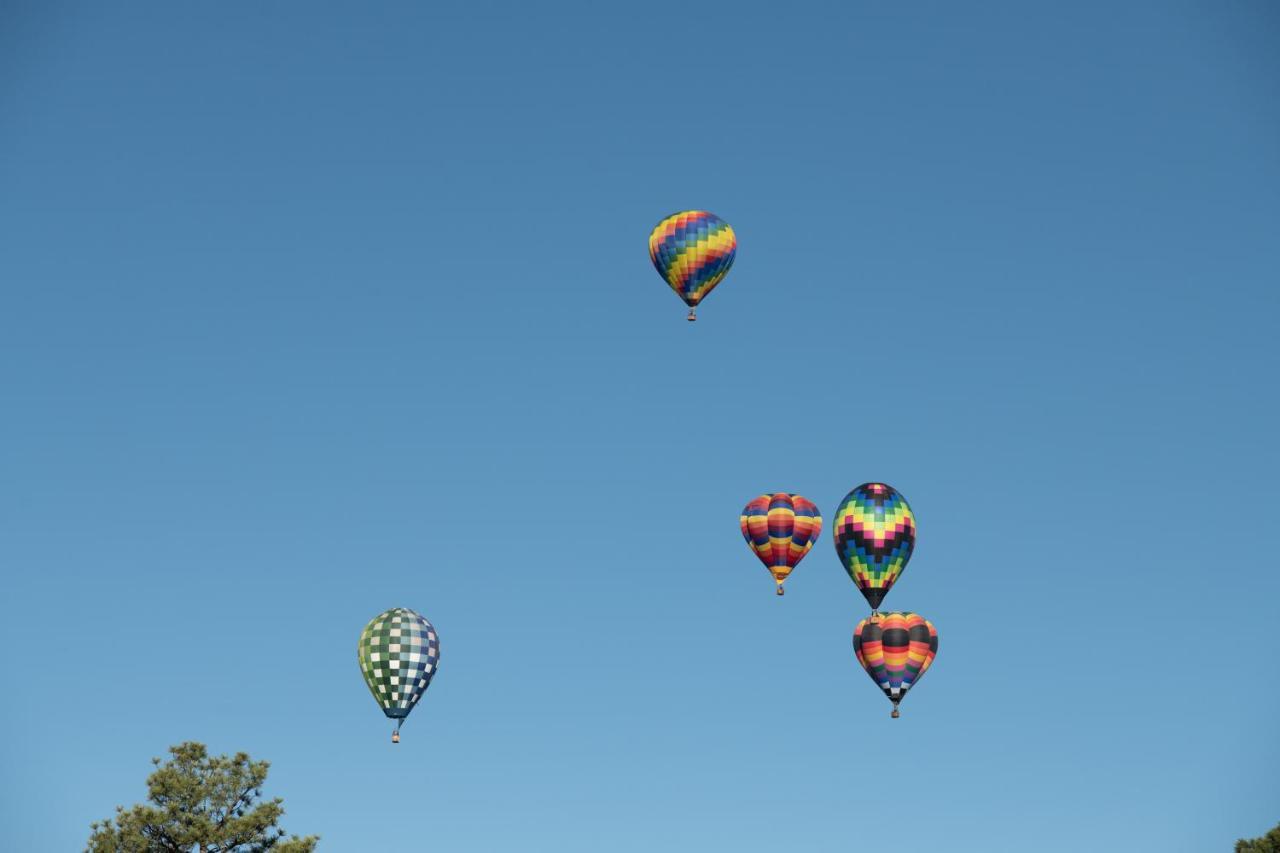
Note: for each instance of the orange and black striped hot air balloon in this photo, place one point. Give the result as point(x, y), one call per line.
point(895, 649)
point(780, 528)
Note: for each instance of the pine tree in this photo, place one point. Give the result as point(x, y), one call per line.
point(1269, 843)
point(209, 804)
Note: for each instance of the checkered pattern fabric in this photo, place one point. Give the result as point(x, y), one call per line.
point(399, 654)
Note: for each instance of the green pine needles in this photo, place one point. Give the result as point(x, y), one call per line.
point(203, 803)
point(1269, 843)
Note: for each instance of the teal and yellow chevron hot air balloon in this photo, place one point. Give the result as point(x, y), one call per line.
point(692, 251)
point(874, 532)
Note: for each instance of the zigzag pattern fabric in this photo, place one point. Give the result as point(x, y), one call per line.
point(692, 251)
point(895, 649)
point(399, 654)
point(875, 534)
point(780, 529)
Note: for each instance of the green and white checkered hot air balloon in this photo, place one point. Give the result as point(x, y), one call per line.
point(399, 654)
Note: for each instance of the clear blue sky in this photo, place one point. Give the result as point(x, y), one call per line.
point(311, 312)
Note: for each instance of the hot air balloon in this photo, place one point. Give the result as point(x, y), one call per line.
point(780, 528)
point(875, 533)
point(399, 654)
point(692, 251)
point(895, 649)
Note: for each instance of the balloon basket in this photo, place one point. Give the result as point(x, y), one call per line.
point(895, 714)
point(395, 736)
point(693, 315)
point(781, 591)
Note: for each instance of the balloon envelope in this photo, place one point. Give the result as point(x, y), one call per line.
point(895, 649)
point(780, 529)
point(874, 533)
point(399, 653)
point(692, 251)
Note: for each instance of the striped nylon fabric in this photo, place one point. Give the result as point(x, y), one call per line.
point(780, 529)
point(896, 649)
point(692, 251)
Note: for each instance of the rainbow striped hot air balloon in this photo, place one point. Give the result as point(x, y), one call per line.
point(693, 251)
point(780, 529)
point(895, 649)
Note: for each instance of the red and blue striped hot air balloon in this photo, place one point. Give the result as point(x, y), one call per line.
point(780, 529)
point(693, 251)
